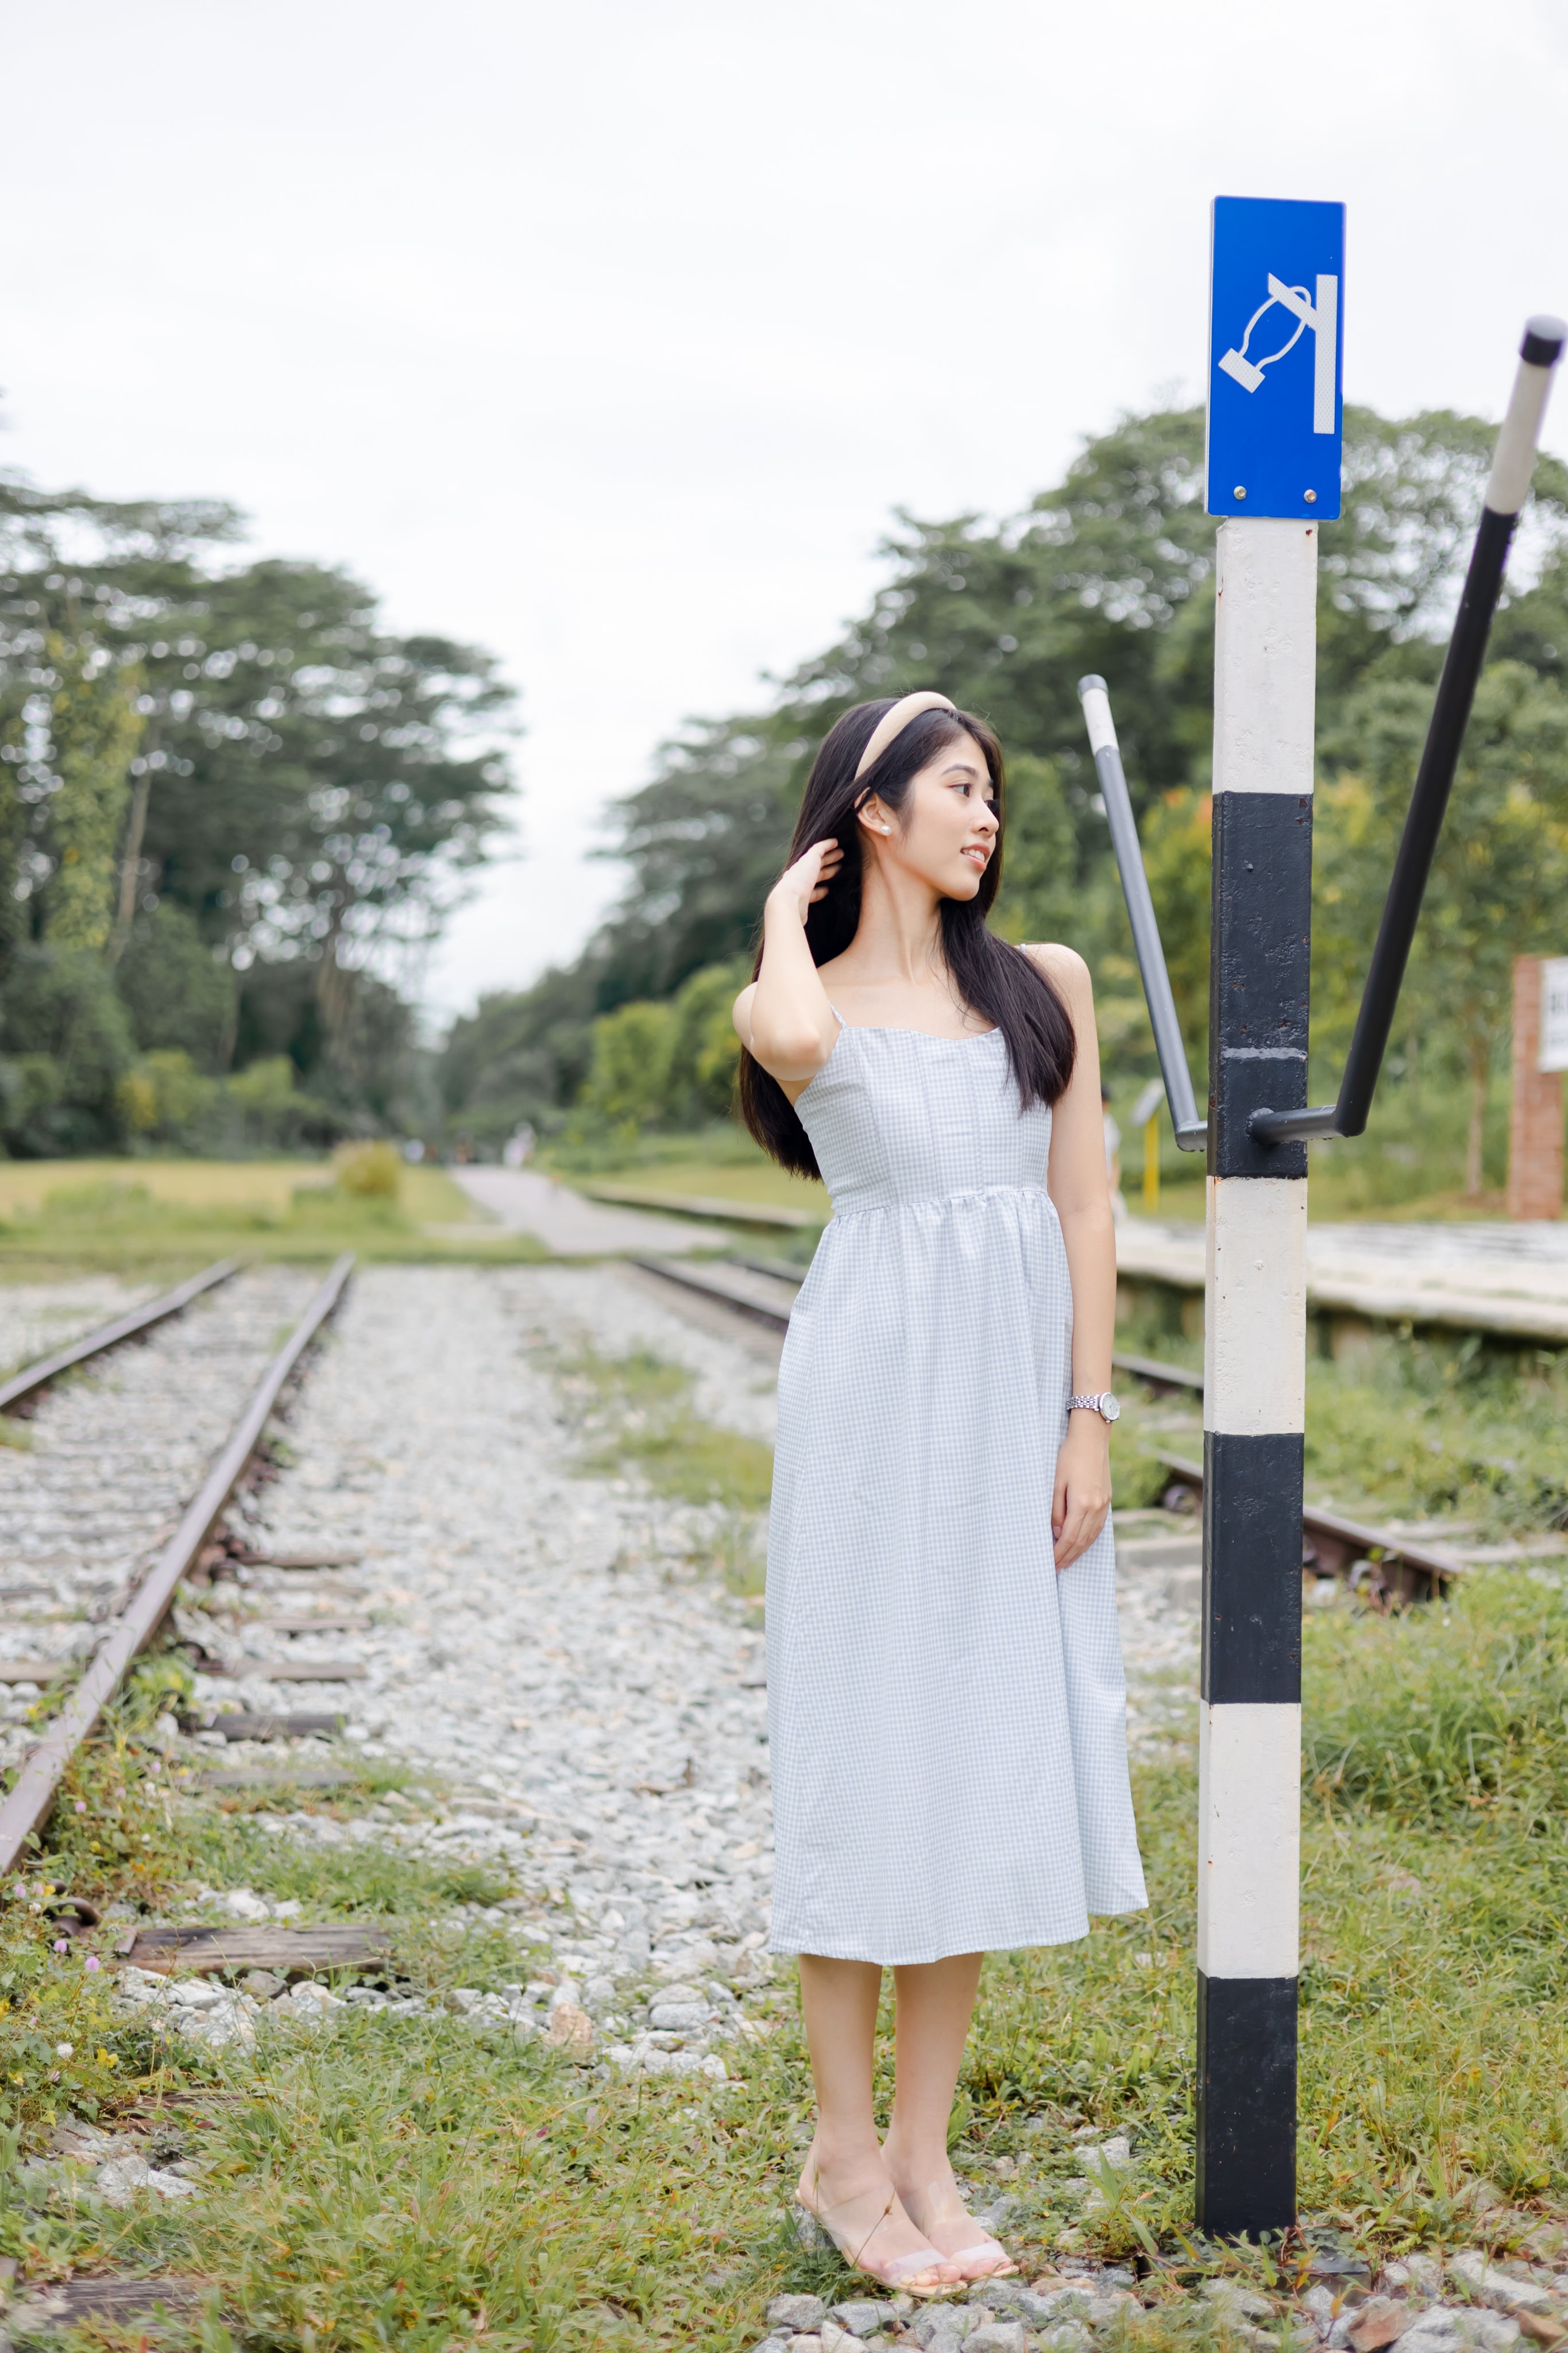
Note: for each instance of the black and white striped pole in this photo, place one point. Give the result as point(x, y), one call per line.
point(1255, 1328)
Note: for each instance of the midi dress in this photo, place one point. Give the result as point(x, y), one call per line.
point(947, 1713)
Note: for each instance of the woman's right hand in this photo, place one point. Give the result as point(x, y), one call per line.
point(800, 886)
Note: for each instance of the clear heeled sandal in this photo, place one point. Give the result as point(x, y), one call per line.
point(901, 2275)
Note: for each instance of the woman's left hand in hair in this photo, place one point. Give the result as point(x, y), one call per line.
point(1082, 1496)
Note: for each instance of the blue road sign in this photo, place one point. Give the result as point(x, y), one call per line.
point(1276, 357)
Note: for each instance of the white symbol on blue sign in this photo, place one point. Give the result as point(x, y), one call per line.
point(1324, 322)
point(1274, 406)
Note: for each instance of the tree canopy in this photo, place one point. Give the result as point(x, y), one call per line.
point(1111, 570)
point(203, 758)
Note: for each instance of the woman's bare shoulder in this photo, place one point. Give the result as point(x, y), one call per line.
point(1061, 965)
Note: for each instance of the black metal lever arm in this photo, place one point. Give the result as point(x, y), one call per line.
point(1506, 488)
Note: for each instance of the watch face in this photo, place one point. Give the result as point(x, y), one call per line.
point(1110, 1407)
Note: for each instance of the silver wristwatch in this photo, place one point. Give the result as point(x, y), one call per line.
point(1105, 1404)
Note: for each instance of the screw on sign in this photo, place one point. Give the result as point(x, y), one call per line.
point(1274, 423)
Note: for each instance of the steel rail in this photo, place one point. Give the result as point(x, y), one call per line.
point(1334, 1542)
point(32, 1377)
point(28, 1803)
point(708, 1283)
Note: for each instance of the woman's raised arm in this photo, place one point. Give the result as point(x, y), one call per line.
point(783, 1017)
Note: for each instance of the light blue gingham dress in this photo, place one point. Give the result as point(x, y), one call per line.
point(947, 1713)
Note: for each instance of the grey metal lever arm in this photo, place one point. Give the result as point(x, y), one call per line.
point(1192, 1133)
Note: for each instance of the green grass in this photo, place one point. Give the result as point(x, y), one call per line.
point(635, 1414)
point(1430, 1425)
point(135, 1215)
point(411, 2184)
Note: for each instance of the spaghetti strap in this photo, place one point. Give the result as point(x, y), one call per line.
point(837, 1014)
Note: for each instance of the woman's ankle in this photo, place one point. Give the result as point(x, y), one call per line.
point(917, 2172)
point(844, 2158)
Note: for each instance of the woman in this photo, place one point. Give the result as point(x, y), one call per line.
point(945, 1689)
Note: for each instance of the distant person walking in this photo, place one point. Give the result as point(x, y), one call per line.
point(944, 1671)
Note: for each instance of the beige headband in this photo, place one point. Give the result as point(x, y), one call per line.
point(893, 723)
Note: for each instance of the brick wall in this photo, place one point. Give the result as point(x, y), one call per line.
point(1535, 1130)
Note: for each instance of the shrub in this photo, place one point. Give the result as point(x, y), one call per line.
point(162, 1096)
point(370, 1171)
point(179, 994)
point(61, 1021)
point(629, 1082)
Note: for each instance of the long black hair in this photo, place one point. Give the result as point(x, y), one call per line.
point(991, 977)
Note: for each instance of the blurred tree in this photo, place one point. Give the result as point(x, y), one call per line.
point(1112, 570)
point(628, 1079)
point(94, 727)
point(308, 785)
point(522, 1054)
point(1500, 882)
point(66, 1031)
point(179, 992)
point(1177, 852)
point(704, 1051)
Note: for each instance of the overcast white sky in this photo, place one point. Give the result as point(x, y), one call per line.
point(609, 334)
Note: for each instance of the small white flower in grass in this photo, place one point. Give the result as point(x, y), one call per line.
point(64, 2050)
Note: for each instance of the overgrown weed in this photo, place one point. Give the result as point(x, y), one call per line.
point(1413, 1425)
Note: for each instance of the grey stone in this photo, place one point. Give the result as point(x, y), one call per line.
point(1235, 2298)
point(1492, 2286)
point(789, 2314)
point(1001, 2294)
point(946, 2339)
point(860, 2316)
point(118, 2180)
point(941, 2328)
point(678, 2017)
point(997, 2337)
point(1437, 2329)
point(1420, 2276)
point(998, 2216)
point(1105, 2310)
point(1061, 2304)
point(1493, 2331)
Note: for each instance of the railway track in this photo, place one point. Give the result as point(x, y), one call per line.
point(1382, 1563)
point(93, 1514)
point(24, 1387)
